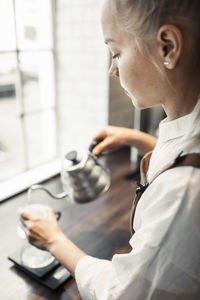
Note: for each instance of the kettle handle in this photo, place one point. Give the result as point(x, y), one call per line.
point(96, 157)
point(91, 147)
point(41, 187)
point(93, 144)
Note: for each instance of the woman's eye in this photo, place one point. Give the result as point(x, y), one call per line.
point(115, 56)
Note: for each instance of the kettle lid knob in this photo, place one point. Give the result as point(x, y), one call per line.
point(72, 155)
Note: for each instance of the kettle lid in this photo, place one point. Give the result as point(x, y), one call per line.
point(72, 156)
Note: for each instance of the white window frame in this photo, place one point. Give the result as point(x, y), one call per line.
point(21, 182)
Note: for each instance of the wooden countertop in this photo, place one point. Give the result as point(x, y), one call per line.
point(100, 228)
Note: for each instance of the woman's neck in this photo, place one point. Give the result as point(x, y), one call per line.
point(179, 107)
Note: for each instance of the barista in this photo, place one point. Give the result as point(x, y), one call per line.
point(156, 55)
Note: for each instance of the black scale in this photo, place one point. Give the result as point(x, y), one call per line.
point(52, 275)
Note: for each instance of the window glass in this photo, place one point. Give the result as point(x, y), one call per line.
point(11, 145)
point(11, 134)
point(7, 26)
point(37, 80)
point(41, 137)
point(34, 24)
point(8, 77)
point(27, 91)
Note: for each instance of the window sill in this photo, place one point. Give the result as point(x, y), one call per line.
point(23, 181)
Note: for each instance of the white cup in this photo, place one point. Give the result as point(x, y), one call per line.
point(30, 256)
point(36, 209)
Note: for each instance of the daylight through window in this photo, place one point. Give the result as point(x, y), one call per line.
point(27, 86)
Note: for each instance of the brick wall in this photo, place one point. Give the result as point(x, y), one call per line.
point(87, 99)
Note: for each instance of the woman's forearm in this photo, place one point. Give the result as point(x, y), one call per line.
point(113, 136)
point(144, 142)
point(66, 252)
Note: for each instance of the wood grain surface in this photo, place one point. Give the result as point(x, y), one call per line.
point(101, 228)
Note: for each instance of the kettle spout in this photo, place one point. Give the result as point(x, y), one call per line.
point(41, 187)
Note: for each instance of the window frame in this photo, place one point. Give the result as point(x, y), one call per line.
point(20, 182)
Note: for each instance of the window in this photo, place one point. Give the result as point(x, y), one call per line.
point(37, 129)
point(27, 87)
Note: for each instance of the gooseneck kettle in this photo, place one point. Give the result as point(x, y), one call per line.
point(84, 177)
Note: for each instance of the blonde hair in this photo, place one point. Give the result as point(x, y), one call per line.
point(144, 17)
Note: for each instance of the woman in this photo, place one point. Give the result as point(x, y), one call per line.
point(155, 48)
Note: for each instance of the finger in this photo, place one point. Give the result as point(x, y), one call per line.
point(37, 244)
point(104, 145)
point(51, 212)
point(26, 216)
point(33, 235)
point(34, 239)
point(31, 231)
point(27, 225)
point(100, 135)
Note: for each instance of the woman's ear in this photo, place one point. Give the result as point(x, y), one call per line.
point(170, 43)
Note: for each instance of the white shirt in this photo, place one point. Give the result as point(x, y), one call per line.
point(164, 262)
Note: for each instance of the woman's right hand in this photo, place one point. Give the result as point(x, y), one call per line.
point(112, 137)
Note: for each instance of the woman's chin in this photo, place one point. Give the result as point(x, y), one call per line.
point(138, 104)
point(133, 99)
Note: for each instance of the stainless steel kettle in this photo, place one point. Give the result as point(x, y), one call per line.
point(84, 177)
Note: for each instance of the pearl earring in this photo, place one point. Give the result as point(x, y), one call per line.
point(166, 63)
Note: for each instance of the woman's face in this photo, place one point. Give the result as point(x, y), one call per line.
point(138, 76)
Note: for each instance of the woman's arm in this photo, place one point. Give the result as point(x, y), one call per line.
point(66, 252)
point(114, 136)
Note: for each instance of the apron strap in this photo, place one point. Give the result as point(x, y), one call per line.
point(144, 165)
point(192, 159)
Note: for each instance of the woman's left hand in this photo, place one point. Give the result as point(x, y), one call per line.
point(41, 232)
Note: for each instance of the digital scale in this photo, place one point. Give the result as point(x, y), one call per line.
point(47, 270)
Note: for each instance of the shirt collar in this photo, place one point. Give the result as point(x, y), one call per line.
point(179, 127)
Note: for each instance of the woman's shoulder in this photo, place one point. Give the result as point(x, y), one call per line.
point(172, 195)
point(180, 177)
point(171, 188)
